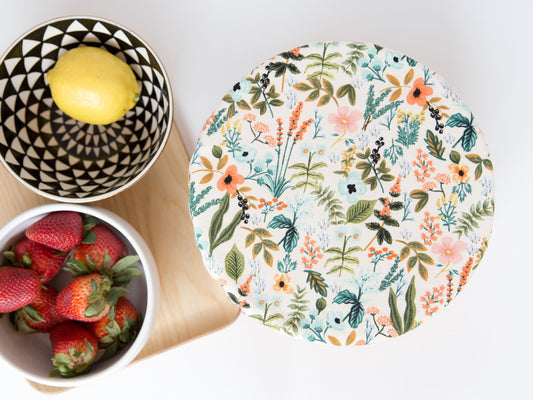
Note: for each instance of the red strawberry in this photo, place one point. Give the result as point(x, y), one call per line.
point(60, 230)
point(88, 297)
point(42, 259)
point(18, 288)
point(114, 332)
point(41, 315)
point(74, 349)
point(93, 254)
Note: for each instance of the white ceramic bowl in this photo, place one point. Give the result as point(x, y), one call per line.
point(30, 354)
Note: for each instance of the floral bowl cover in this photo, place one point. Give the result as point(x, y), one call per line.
point(341, 193)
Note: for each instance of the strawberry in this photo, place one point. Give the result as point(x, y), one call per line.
point(118, 328)
point(42, 259)
point(94, 254)
point(88, 297)
point(18, 288)
point(74, 349)
point(60, 230)
point(41, 314)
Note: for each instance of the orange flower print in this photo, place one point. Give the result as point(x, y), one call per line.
point(230, 180)
point(419, 92)
point(296, 51)
point(283, 283)
point(459, 173)
point(396, 188)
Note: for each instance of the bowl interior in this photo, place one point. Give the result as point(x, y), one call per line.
point(31, 353)
point(58, 156)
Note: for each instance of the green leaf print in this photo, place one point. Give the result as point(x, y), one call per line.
point(228, 231)
point(434, 145)
point(356, 314)
point(216, 222)
point(480, 162)
point(291, 237)
point(326, 198)
point(360, 211)
point(234, 262)
point(317, 282)
point(395, 317)
point(455, 157)
point(469, 220)
point(410, 308)
point(422, 197)
point(264, 244)
point(346, 297)
point(216, 236)
point(409, 315)
point(280, 221)
point(308, 173)
point(299, 307)
point(419, 257)
point(469, 137)
point(323, 63)
point(347, 90)
point(458, 120)
point(357, 311)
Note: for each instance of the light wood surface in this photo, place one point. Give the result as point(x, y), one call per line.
point(192, 303)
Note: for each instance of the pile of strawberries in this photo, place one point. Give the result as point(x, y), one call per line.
point(88, 319)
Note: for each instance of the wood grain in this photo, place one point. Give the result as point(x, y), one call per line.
point(192, 303)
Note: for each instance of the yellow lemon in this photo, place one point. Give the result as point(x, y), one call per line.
point(92, 85)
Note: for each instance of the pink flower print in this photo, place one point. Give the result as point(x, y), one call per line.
point(449, 251)
point(271, 140)
point(372, 310)
point(384, 320)
point(344, 120)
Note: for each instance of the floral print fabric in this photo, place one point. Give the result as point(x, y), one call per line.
point(341, 193)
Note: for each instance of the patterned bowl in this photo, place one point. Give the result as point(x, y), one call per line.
point(342, 193)
point(62, 158)
point(30, 354)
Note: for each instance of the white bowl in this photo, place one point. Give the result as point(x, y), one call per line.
point(30, 354)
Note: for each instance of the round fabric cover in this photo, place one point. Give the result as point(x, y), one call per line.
point(342, 193)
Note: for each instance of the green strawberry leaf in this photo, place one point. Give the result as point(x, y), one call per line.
point(89, 222)
point(114, 294)
point(32, 314)
point(124, 270)
point(113, 328)
point(110, 350)
point(89, 237)
point(61, 359)
point(10, 256)
point(95, 308)
point(77, 268)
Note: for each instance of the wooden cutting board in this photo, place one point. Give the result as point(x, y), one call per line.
point(192, 303)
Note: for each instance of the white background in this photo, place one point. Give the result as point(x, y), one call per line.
point(480, 347)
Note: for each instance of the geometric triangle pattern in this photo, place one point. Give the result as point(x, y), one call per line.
point(58, 156)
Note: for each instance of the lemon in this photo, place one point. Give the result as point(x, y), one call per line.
point(92, 85)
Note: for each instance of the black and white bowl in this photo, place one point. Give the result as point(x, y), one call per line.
point(57, 156)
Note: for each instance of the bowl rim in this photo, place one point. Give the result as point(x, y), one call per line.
point(166, 132)
point(150, 274)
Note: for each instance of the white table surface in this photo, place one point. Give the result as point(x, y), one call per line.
point(480, 347)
